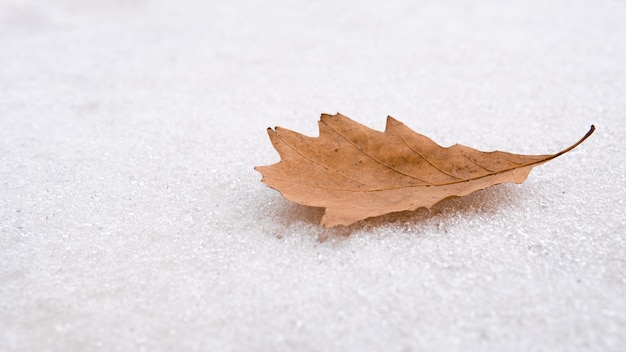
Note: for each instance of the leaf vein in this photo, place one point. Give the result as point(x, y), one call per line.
point(373, 158)
point(425, 159)
point(317, 163)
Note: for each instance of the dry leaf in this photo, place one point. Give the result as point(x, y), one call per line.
point(356, 172)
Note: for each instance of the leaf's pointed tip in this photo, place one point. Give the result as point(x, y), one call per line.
point(261, 169)
point(330, 116)
point(391, 122)
point(324, 117)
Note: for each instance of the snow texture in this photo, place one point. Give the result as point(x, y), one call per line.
point(131, 217)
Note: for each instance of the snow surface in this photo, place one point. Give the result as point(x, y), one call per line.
point(131, 217)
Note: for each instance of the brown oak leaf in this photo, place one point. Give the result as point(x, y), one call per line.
point(356, 172)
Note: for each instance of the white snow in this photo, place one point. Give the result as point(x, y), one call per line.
point(131, 217)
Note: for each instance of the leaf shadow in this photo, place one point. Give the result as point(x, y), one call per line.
point(483, 203)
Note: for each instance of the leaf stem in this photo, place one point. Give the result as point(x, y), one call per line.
point(589, 133)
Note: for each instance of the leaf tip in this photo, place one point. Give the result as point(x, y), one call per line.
point(391, 122)
point(337, 116)
point(326, 116)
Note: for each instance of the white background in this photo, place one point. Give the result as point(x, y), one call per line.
point(131, 217)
